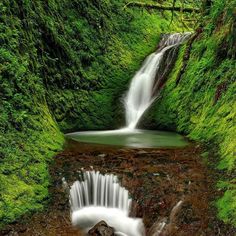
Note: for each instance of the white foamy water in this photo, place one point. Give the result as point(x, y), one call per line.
point(100, 197)
point(140, 94)
point(87, 217)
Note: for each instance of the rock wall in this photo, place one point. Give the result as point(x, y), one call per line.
point(199, 97)
point(64, 65)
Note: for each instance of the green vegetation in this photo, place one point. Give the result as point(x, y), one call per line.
point(64, 65)
point(202, 103)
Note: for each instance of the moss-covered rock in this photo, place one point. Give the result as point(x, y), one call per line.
point(64, 65)
point(201, 102)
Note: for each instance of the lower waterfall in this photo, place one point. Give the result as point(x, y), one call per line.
point(99, 197)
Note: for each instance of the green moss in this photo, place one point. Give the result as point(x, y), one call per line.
point(133, 35)
point(25, 156)
point(201, 105)
point(227, 204)
point(64, 65)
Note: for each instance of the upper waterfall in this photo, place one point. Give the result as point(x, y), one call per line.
point(141, 92)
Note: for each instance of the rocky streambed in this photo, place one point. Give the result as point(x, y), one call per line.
point(172, 190)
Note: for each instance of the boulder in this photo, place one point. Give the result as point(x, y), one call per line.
point(101, 229)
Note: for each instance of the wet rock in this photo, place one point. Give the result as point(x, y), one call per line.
point(156, 174)
point(158, 227)
point(5, 232)
point(188, 214)
point(162, 204)
point(13, 233)
point(102, 155)
point(142, 152)
point(23, 229)
point(101, 229)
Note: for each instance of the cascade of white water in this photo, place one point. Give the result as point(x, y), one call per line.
point(140, 93)
point(100, 197)
point(99, 190)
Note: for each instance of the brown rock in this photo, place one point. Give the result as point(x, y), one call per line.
point(101, 229)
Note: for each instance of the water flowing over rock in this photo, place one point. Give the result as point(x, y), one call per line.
point(166, 225)
point(96, 189)
point(150, 78)
point(101, 229)
point(99, 197)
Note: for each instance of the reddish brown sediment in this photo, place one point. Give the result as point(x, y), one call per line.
point(157, 180)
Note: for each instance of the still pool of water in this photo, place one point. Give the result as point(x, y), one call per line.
point(128, 138)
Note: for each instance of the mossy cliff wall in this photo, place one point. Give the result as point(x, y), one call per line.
point(200, 99)
point(64, 65)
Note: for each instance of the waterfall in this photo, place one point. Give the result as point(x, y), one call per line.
point(142, 90)
point(99, 190)
point(97, 197)
point(100, 197)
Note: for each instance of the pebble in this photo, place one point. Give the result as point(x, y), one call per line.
point(101, 155)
